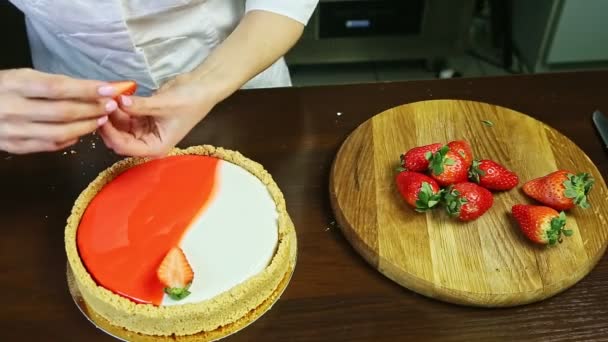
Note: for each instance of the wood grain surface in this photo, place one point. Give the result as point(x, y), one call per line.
point(486, 262)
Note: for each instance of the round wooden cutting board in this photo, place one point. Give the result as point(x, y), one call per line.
point(486, 262)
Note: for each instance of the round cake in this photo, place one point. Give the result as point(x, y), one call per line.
point(186, 244)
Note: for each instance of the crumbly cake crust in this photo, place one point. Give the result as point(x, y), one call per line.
point(214, 335)
point(191, 318)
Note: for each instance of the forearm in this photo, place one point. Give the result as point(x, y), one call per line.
point(258, 41)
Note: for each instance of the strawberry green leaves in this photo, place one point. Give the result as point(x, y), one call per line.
point(177, 293)
point(438, 160)
point(475, 172)
point(427, 198)
point(576, 187)
point(454, 202)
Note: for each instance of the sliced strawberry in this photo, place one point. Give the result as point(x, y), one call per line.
point(415, 159)
point(540, 224)
point(124, 87)
point(493, 176)
point(418, 190)
point(176, 274)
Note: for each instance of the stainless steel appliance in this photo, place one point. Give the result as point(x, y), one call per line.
point(383, 30)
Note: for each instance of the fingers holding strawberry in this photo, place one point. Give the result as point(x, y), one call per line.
point(126, 88)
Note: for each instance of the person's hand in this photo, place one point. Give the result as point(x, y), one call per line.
point(45, 112)
point(152, 126)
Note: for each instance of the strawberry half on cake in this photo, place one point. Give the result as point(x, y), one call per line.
point(190, 243)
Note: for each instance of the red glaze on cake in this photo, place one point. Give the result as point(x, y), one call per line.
point(166, 195)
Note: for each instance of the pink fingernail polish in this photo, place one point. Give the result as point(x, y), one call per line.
point(102, 120)
point(111, 106)
point(126, 100)
point(106, 90)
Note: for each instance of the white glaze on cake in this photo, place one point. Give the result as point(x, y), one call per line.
point(233, 239)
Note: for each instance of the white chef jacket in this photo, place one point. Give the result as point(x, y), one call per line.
point(149, 41)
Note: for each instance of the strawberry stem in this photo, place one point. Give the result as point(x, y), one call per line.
point(438, 160)
point(453, 202)
point(577, 187)
point(554, 234)
point(177, 293)
point(427, 198)
point(475, 172)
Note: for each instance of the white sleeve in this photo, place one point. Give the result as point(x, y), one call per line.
point(299, 10)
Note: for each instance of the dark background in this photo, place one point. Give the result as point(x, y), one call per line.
point(11, 22)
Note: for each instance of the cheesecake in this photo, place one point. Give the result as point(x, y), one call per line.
point(186, 244)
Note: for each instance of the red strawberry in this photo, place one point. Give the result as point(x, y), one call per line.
point(467, 201)
point(561, 190)
point(175, 273)
point(492, 175)
point(419, 190)
point(124, 87)
point(541, 224)
point(447, 167)
point(463, 149)
point(415, 158)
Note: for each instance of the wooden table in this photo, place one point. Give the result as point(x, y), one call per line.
point(334, 295)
